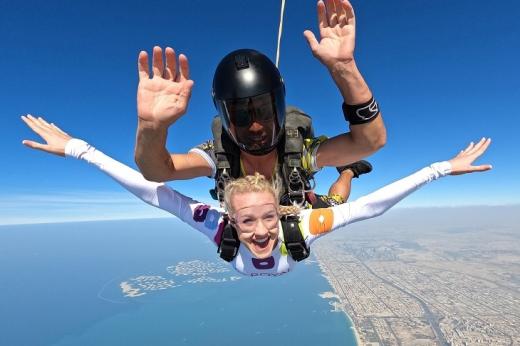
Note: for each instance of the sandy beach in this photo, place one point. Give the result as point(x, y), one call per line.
point(340, 304)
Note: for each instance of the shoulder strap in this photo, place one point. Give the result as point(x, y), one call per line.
point(228, 159)
point(298, 126)
point(229, 243)
point(293, 238)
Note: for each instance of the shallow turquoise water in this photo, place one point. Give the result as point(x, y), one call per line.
point(62, 282)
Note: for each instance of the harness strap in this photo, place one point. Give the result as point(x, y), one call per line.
point(229, 243)
point(296, 182)
point(292, 158)
point(226, 154)
point(293, 238)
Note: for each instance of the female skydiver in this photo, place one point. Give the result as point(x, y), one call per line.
point(252, 202)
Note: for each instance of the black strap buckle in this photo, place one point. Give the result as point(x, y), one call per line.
point(229, 243)
point(297, 250)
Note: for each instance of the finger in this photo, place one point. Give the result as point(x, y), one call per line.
point(33, 124)
point(349, 11)
point(25, 119)
point(340, 12)
point(186, 92)
point(43, 147)
point(483, 146)
point(31, 118)
point(476, 147)
point(311, 40)
point(184, 70)
point(322, 16)
point(481, 168)
point(171, 65)
point(33, 144)
point(60, 130)
point(157, 62)
point(470, 145)
point(332, 16)
point(142, 65)
point(460, 153)
point(44, 123)
point(41, 123)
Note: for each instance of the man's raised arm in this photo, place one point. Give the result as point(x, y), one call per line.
point(161, 100)
point(337, 27)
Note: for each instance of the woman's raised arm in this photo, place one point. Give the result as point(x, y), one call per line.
point(159, 195)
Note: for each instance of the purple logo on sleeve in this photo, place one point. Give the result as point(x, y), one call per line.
point(265, 263)
point(200, 212)
point(212, 219)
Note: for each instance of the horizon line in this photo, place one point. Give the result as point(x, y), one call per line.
point(144, 217)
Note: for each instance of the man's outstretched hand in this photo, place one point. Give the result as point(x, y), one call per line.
point(337, 26)
point(163, 98)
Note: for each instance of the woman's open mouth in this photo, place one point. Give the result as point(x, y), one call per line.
point(261, 243)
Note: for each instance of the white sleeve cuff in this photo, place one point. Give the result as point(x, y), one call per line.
point(76, 147)
point(441, 169)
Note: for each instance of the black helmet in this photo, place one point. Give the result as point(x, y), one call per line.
point(249, 95)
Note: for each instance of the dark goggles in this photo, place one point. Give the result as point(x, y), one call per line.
point(242, 113)
point(266, 109)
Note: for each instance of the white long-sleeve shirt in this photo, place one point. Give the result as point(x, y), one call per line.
point(209, 220)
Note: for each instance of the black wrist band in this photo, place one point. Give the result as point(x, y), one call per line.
point(362, 113)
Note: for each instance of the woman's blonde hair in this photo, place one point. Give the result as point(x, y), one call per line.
point(257, 183)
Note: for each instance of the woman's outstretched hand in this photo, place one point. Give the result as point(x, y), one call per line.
point(55, 139)
point(462, 163)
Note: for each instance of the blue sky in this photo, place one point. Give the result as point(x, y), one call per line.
point(444, 73)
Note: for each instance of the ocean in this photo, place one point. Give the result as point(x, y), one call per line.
point(151, 282)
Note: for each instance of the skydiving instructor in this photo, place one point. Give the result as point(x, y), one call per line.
point(163, 97)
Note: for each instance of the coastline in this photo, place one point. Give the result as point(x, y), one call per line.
point(427, 279)
point(354, 329)
point(339, 305)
